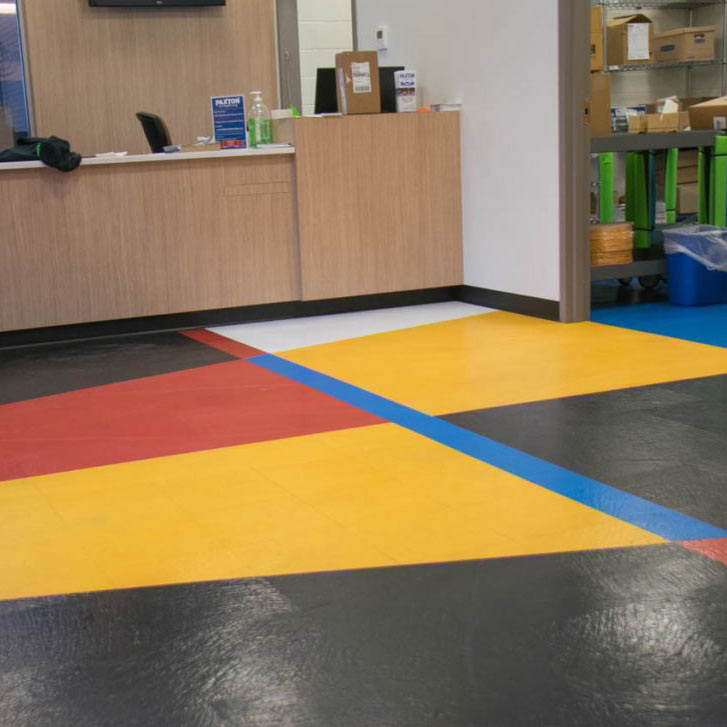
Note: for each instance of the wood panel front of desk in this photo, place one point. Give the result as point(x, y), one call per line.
point(379, 203)
point(131, 240)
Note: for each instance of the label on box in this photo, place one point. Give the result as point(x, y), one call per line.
point(361, 73)
point(228, 119)
point(638, 41)
point(720, 123)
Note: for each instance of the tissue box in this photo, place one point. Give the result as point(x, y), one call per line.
point(405, 83)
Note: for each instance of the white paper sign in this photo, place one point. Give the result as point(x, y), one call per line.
point(361, 73)
point(638, 41)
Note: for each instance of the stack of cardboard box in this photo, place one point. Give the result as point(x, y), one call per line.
point(671, 114)
point(659, 122)
point(600, 106)
point(687, 176)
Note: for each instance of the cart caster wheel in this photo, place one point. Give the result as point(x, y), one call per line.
point(625, 281)
point(649, 282)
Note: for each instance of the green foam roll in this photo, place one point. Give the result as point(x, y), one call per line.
point(670, 184)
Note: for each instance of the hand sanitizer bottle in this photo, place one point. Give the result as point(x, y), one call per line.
point(259, 125)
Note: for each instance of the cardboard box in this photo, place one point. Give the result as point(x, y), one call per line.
point(688, 199)
point(685, 175)
point(630, 40)
point(620, 116)
point(709, 115)
point(357, 82)
point(658, 123)
point(686, 103)
point(600, 106)
point(596, 38)
point(686, 44)
point(687, 167)
point(687, 158)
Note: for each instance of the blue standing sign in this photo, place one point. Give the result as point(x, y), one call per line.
point(229, 121)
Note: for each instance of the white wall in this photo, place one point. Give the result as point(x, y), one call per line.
point(500, 60)
point(325, 28)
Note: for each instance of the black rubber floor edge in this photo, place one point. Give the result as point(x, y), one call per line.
point(511, 302)
point(224, 317)
point(538, 307)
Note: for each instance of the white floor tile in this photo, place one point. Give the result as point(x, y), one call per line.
point(275, 336)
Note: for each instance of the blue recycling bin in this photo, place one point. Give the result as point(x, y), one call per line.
point(697, 264)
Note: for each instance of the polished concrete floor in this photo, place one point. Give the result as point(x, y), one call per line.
point(458, 518)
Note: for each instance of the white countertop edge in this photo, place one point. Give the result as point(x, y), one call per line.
point(175, 157)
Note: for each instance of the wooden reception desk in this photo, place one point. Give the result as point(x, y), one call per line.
point(360, 205)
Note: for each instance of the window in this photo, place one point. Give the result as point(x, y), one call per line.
point(13, 97)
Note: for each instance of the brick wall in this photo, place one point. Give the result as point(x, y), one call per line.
point(325, 29)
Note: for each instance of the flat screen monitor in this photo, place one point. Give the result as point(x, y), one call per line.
point(388, 88)
point(153, 3)
point(327, 101)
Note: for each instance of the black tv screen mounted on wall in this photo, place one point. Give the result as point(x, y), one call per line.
point(153, 3)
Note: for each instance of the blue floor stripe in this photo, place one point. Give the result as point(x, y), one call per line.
point(627, 507)
point(706, 324)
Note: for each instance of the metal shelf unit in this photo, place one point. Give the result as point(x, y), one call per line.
point(687, 5)
point(662, 65)
point(645, 264)
point(638, 269)
point(659, 4)
point(652, 142)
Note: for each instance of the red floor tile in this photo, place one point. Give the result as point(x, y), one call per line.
point(215, 406)
point(221, 343)
point(714, 549)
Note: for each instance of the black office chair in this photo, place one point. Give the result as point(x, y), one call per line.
point(155, 130)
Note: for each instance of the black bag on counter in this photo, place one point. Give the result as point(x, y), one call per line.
point(52, 151)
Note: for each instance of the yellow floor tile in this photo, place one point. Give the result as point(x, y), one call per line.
point(501, 358)
point(358, 498)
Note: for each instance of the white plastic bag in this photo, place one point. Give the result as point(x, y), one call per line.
point(704, 243)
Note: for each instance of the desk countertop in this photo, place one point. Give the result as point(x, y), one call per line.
point(143, 158)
